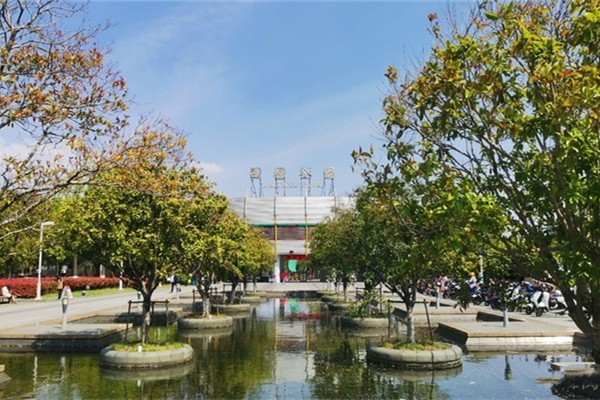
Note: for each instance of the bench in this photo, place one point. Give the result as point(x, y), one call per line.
point(4, 299)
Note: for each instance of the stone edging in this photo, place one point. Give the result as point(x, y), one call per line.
point(145, 359)
point(222, 321)
point(416, 359)
point(364, 323)
point(232, 308)
point(251, 300)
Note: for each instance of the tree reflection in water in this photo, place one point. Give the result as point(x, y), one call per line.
point(285, 350)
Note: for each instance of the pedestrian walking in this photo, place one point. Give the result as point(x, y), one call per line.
point(59, 286)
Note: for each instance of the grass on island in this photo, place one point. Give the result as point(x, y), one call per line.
point(90, 293)
point(146, 347)
point(425, 345)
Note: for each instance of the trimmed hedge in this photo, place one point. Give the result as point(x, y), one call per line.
point(27, 287)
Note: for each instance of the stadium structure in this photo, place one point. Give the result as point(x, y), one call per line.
point(287, 220)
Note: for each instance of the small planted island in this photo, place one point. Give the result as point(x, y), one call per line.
point(195, 321)
point(416, 355)
point(146, 356)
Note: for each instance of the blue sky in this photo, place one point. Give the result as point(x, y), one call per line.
point(266, 84)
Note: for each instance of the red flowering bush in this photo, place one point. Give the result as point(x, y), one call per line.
point(27, 287)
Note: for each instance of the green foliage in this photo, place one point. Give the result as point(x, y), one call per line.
point(424, 345)
point(493, 148)
point(368, 307)
point(60, 99)
point(147, 347)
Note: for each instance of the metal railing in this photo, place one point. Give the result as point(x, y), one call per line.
point(152, 304)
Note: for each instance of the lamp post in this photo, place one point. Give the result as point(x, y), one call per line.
point(39, 281)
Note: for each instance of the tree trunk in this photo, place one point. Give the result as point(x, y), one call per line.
point(581, 305)
point(345, 289)
point(410, 326)
point(146, 317)
point(205, 304)
point(234, 284)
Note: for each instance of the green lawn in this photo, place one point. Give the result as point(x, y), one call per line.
point(90, 293)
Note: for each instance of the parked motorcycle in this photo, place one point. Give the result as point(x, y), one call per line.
point(557, 302)
point(538, 302)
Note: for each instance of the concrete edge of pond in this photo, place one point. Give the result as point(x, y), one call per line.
point(252, 300)
point(110, 358)
point(232, 308)
point(191, 334)
point(364, 323)
point(533, 335)
point(416, 359)
point(216, 322)
point(51, 338)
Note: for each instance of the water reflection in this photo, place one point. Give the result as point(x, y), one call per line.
point(284, 349)
point(174, 372)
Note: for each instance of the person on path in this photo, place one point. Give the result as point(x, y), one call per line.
point(59, 286)
point(174, 283)
point(12, 297)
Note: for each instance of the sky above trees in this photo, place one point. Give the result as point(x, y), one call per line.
point(266, 84)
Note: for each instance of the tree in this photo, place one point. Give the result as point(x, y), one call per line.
point(134, 220)
point(424, 217)
point(257, 255)
point(211, 245)
point(59, 98)
point(509, 103)
point(346, 247)
point(332, 250)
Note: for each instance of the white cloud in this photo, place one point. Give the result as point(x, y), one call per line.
point(211, 169)
point(13, 145)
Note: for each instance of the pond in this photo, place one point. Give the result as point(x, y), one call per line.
point(285, 349)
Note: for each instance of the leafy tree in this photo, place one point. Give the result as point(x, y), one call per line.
point(258, 256)
point(332, 248)
point(59, 98)
point(211, 245)
point(425, 221)
point(133, 221)
point(346, 246)
point(509, 103)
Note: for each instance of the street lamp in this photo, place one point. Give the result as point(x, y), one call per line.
point(39, 281)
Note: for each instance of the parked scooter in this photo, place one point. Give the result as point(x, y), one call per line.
point(512, 298)
point(557, 302)
point(539, 301)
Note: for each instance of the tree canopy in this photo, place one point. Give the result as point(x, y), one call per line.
point(508, 105)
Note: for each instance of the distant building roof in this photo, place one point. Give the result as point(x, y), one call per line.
point(260, 211)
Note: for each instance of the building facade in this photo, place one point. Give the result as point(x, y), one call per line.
point(287, 222)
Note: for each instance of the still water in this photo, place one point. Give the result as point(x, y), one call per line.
point(285, 349)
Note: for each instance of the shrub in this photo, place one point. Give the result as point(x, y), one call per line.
point(425, 345)
point(366, 307)
point(27, 287)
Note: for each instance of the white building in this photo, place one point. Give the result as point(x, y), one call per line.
point(288, 221)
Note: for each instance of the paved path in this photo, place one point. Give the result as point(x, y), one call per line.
point(35, 312)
